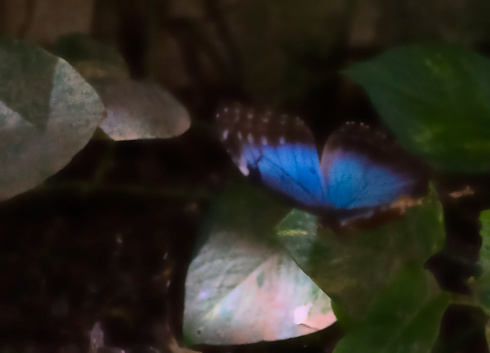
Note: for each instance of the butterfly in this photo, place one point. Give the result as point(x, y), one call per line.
point(360, 172)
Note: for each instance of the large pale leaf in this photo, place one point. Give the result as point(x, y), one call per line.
point(47, 114)
point(353, 268)
point(241, 287)
point(436, 99)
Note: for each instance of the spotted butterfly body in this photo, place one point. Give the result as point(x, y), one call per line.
point(360, 171)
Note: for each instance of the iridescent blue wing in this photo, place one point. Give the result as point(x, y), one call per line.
point(278, 151)
point(364, 169)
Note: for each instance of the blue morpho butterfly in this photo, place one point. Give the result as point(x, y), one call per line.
point(360, 173)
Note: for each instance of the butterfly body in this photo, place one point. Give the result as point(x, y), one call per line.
point(358, 173)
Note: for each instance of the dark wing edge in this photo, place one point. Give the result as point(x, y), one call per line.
point(382, 150)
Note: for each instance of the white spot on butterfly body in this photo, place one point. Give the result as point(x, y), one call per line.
point(225, 109)
point(250, 115)
point(239, 135)
point(250, 138)
point(263, 140)
point(282, 140)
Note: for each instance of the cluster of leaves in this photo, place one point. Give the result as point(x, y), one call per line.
point(243, 285)
point(263, 273)
point(50, 109)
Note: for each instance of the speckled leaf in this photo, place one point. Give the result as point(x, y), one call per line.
point(141, 110)
point(242, 287)
point(135, 110)
point(47, 114)
point(436, 99)
point(353, 268)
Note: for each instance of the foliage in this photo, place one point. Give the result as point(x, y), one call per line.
point(48, 112)
point(435, 99)
point(353, 269)
point(242, 286)
point(262, 273)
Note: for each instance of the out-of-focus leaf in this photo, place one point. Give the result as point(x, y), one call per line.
point(242, 287)
point(482, 284)
point(294, 44)
point(404, 318)
point(77, 47)
point(436, 99)
point(47, 114)
point(97, 62)
point(135, 110)
point(141, 110)
point(353, 268)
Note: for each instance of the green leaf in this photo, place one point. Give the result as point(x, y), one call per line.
point(47, 114)
point(353, 268)
point(436, 99)
point(242, 287)
point(405, 317)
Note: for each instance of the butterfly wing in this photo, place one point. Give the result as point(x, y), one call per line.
point(277, 151)
point(364, 169)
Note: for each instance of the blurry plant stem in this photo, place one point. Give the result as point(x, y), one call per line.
point(216, 15)
point(154, 11)
point(27, 20)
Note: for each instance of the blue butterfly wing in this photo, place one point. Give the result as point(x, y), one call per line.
point(278, 151)
point(290, 169)
point(363, 169)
